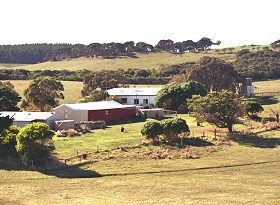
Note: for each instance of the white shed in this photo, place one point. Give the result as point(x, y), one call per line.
point(135, 96)
point(23, 118)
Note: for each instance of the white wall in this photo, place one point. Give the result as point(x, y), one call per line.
point(76, 115)
point(130, 99)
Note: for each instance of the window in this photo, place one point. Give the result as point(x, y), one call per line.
point(145, 101)
point(136, 101)
point(66, 114)
point(107, 112)
point(124, 100)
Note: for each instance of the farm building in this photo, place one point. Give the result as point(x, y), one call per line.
point(23, 118)
point(94, 111)
point(135, 96)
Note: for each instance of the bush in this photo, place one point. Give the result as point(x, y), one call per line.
point(8, 141)
point(152, 129)
point(34, 141)
point(169, 129)
point(172, 128)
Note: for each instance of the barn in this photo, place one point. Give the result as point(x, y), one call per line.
point(95, 111)
point(23, 118)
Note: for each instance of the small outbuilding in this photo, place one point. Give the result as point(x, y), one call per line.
point(23, 118)
point(96, 111)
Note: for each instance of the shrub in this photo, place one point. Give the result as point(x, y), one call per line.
point(34, 141)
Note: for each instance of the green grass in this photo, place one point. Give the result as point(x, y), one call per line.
point(246, 172)
point(267, 86)
point(144, 61)
point(237, 175)
point(72, 89)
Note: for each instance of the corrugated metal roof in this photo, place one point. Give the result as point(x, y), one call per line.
point(100, 105)
point(133, 91)
point(27, 116)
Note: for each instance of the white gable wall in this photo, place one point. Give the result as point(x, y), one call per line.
point(69, 114)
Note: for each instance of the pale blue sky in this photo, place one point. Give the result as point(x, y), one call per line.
point(234, 22)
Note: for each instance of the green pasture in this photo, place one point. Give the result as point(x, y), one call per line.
point(72, 89)
point(243, 170)
point(143, 61)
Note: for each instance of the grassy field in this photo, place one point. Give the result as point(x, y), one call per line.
point(267, 86)
point(245, 171)
point(144, 61)
point(72, 89)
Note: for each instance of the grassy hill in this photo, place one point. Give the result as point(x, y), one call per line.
point(145, 61)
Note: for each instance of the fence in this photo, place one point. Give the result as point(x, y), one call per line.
point(276, 93)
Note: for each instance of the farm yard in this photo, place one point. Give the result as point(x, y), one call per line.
point(124, 107)
point(118, 169)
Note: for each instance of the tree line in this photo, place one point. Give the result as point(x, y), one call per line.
point(37, 53)
point(260, 65)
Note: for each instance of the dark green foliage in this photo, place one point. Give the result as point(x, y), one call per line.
point(103, 80)
point(95, 95)
point(171, 128)
point(9, 98)
point(173, 96)
point(44, 93)
point(168, 128)
point(152, 129)
point(36, 53)
point(5, 122)
point(215, 74)
point(260, 65)
point(221, 109)
point(253, 108)
point(34, 142)
point(8, 141)
point(7, 136)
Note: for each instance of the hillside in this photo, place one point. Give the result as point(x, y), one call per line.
point(151, 60)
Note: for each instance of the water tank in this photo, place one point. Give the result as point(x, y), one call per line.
point(247, 82)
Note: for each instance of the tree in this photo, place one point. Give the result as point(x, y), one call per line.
point(152, 129)
point(204, 43)
point(173, 96)
point(9, 99)
point(104, 80)
point(253, 108)
point(218, 108)
point(5, 122)
point(44, 93)
point(215, 74)
point(165, 45)
point(168, 128)
point(8, 141)
point(171, 128)
point(34, 142)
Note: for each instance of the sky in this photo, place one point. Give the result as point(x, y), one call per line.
point(233, 22)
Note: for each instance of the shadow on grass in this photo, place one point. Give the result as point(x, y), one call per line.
point(189, 141)
point(265, 100)
point(72, 172)
point(192, 169)
point(256, 141)
point(52, 167)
